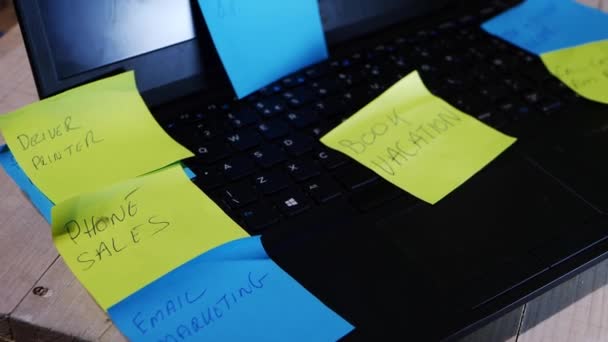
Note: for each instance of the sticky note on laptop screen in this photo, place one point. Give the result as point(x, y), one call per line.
point(123, 237)
point(417, 141)
point(583, 68)
point(261, 41)
point(540, 26)
point(232, 293)
point(88, 137)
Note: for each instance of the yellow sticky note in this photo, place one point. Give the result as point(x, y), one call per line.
point(120, 239)
point(584, 68)
point(417, 141)
point(88, 137)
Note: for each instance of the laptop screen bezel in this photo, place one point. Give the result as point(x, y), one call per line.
point(182, 64)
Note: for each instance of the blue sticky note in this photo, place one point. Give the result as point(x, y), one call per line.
point(234, 292)
point(189, 172)
point(263, 40)
point(38, 199)
point(541, 26)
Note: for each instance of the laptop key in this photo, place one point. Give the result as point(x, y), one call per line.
point(326, 86)
point(271, 182)
point(532, 97)
point(243, 117)
point(270, 106)
point(329, 107)
point(292, 202)
point(268, 155)
point(259, 216)
point(293, 81)
point(330, 159)
point(298, 97)
point(244, 139)
point(354, 176)
point(211, 152)
point(273, 129)
point(208, 178)
point(301, 119)
point(316, 71)
point(318, 131)
point(302, 169)
point(375, 195)
point(237, 167)
point(297, 144)
point(238, 195)
point(205, 130)
point(323, 189)
point(550, 104)
point(190, 117)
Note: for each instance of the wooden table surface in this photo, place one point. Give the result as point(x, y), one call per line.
point(40, 300)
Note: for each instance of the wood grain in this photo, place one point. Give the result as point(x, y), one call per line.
point(575, 311)
point(26, 249)
point(502, 329)
point(65, 309)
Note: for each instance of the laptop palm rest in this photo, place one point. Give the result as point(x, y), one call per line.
point(432, 262)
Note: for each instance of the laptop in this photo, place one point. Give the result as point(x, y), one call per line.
point(387, 262)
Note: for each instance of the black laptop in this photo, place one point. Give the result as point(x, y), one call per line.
point(387, 262)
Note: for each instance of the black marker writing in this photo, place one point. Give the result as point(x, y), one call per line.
point(43, 160)
point(413, 141)
point(113, 232)
point(27, 141)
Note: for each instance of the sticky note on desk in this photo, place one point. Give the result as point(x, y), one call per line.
point(88, 137)
point(540, 26)
point(417, 141)
point(9, 164)
point(583, 68)
point(123, 237)
point(261, 41)
point(232, 293)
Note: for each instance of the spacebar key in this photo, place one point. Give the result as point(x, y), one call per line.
point(354, 176)
point(374, 195)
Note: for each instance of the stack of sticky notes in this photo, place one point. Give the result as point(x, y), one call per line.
point(148, 245)
point(570, 38)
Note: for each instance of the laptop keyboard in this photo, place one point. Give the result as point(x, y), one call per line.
point(260, 158)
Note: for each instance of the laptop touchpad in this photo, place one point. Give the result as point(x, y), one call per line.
point(487, 230)
point(577, 155)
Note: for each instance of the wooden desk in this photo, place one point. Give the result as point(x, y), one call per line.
point(40, 300)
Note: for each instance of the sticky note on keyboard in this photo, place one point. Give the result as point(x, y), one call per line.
point(123, 237)
point(232, 293)
point(261, 41)
point(38, 199)
point(417, 141)
point(12, 169)
point(583, 68)
point(540, 26)
point(88, 137)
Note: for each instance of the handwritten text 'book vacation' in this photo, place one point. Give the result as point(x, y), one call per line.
point(121, 238)
point(417, 141)
point(87, 138)
point(234, 292)
point(584, 68)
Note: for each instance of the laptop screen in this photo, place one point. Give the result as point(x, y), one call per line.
point(85, 35)
point(87, 39)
